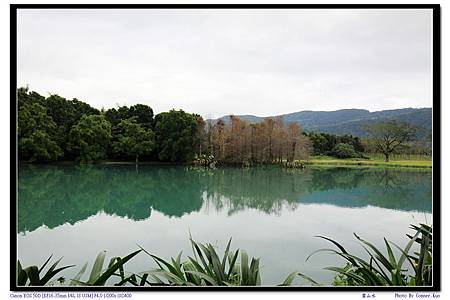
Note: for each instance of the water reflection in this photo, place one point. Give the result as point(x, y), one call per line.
point(54, 195)
point(400, 189)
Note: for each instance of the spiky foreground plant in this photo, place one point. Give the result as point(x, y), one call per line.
point(205, 268)
point(98, 276)
point(32, 275)
point(385, 269)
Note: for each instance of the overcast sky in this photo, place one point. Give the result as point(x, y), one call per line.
point(218, 62)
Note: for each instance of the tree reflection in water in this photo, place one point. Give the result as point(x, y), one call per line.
point(52, 195)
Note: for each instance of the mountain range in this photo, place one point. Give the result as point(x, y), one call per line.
point(350, 121)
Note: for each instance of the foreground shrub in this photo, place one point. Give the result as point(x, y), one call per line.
point(32, 276)
point(205, 268)
point(343, 150)
point(385, 269)
point(204, 160)
point(98, 276)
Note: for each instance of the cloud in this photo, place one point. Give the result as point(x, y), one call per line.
point(217, 62)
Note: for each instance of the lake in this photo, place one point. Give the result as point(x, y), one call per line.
point(270, 212)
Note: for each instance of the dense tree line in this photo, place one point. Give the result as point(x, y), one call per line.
point(55, 128)
point(269, 141)
point(44, 125)
point(343, 146)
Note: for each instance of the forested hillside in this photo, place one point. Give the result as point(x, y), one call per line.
point(351, 121)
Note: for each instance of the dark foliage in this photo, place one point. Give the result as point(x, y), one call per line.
point(55, 128)
point(175, 133)
point(325, 144)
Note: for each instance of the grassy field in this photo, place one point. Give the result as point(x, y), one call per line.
point(414, 162)
point(379, 156)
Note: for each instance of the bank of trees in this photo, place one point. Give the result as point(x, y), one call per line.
point(271, 141)
point(54, 128)
point(384, 138)
point(133, 139)
point(344, 146)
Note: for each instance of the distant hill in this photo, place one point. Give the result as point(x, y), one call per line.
point(349, 121)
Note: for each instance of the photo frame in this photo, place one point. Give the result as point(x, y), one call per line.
point(436, 146)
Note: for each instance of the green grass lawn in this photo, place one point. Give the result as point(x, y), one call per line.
point(328, 160)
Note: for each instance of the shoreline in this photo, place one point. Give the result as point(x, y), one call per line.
point(362, 164)
point(311, 163)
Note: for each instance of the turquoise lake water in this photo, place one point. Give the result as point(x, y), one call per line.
point(270, 212)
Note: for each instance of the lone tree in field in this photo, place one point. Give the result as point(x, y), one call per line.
point(390, 136)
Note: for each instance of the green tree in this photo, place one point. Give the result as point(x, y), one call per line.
point(25, 97)
point(113, 116)
point(391, 136)
point(343, 150)
point(66, 113)
point(143, 114)
point(89, 138)
point(36, 134)
point(175, 133)
point(133, 139)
